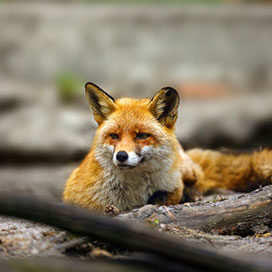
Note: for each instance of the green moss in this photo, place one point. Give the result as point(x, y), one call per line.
point(68, 86)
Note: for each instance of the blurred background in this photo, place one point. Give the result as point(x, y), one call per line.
point(216, 53)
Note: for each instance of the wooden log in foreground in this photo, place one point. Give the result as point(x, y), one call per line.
point(147, 263)
point(133, 236)
point(65, 265)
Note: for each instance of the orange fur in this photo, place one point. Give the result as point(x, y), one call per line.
point(241, 173)
point(174, 197)
point(154, 161)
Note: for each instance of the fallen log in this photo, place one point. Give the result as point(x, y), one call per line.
point(135, 237)
point(237, 214)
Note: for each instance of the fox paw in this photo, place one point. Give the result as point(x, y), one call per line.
point(191, 194)
point(111, 210)
point(159, 198)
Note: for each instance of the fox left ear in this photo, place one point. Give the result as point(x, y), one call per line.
point(164, 106)
point(101, 103)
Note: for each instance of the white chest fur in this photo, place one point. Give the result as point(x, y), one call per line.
point(128, 189)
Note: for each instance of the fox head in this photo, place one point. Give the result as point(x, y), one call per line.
point(133, 133)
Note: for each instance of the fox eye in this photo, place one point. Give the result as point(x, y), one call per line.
point(114, 136)
point(142, 136)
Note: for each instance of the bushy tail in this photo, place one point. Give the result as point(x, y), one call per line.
point(243, 173)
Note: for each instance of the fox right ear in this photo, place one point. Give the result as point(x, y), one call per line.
point(164, 106)
point(101, 103)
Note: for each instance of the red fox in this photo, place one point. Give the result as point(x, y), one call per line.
point(136, 158)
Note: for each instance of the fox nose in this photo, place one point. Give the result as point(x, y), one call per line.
point(122, 156)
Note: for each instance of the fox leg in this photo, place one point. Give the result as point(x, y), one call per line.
point(191, 181)
point(166, 198)
point(192, 174)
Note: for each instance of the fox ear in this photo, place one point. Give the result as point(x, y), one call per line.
point(164, 106)
point(101, 103)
